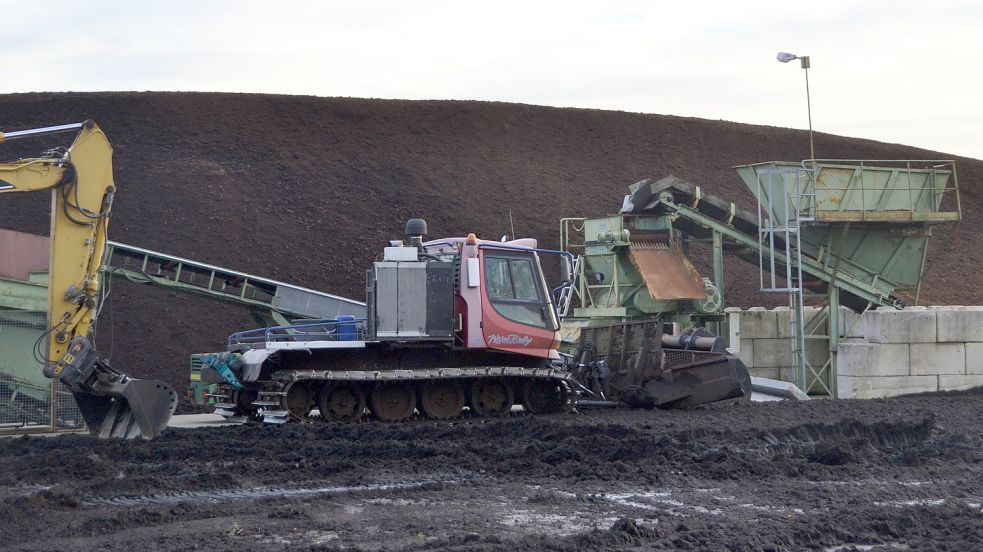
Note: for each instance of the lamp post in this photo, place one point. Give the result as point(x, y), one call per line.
point(786, 57)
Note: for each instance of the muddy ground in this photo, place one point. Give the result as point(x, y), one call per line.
point(898, 474)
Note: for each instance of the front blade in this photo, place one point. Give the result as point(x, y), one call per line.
point(716, 377)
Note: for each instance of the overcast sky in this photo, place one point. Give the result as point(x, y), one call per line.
point(896, 71)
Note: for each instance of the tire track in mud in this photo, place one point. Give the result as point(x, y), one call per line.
point(844, 437)
point(851, 440)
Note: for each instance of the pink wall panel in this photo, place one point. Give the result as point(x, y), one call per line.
point(21, 254)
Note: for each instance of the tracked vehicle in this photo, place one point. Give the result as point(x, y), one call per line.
point(452, 324)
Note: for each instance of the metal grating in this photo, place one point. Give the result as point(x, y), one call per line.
point(676, 358)
point(29, 402)
point(22, 319)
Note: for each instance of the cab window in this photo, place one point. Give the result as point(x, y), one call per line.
point(514, 290)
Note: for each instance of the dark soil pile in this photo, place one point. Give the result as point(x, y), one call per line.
point(307, 190)
point(899, 474)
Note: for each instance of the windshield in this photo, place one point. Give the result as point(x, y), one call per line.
point(515, 290)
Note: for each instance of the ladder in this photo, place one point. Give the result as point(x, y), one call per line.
point(567, 293)
point(780, 190)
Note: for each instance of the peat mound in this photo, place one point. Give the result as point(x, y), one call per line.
point(307, 190)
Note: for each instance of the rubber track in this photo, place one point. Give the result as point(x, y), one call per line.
point(466, 415)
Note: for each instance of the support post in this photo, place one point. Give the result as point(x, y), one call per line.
point(834, 338)
point(53, 410)
point(718, 265)
point(833, 298)
point(723, 327)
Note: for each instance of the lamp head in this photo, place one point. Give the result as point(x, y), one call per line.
point(786, 57)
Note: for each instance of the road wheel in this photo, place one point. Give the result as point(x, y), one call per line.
point(491, 398)
point(546, 396)
point(299, 400)
point(392, 401)
point(341, 402)
point(442, 400)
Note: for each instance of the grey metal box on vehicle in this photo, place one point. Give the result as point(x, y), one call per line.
point(414, 300)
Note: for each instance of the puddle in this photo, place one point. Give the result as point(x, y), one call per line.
point(849, 547)
point(657, 502)
point(22, 490)
point(915, 502)
point(974, 502)
point(556, 524)
point(229, 495)
point(308, 537)
point(394, 501)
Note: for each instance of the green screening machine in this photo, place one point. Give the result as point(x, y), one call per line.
point(840, 231)
point(867, 220)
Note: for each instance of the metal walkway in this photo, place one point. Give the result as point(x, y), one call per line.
point(280, 300)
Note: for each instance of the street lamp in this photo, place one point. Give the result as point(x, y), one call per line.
point(786, 57)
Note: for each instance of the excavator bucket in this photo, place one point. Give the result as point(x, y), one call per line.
point(141, 409)
point(113, 404)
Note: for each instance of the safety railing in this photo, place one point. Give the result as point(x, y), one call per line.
point(352, 329)
point(885, 188)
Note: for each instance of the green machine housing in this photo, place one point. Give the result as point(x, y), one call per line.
point(638, 267)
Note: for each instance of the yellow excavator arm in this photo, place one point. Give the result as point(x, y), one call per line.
point(81, 181)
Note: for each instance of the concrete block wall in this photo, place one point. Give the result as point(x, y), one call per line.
point(886, 352)
point(942, 346)
point(765, 340)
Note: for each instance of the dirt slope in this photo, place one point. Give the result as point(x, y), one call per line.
point(308, 189)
